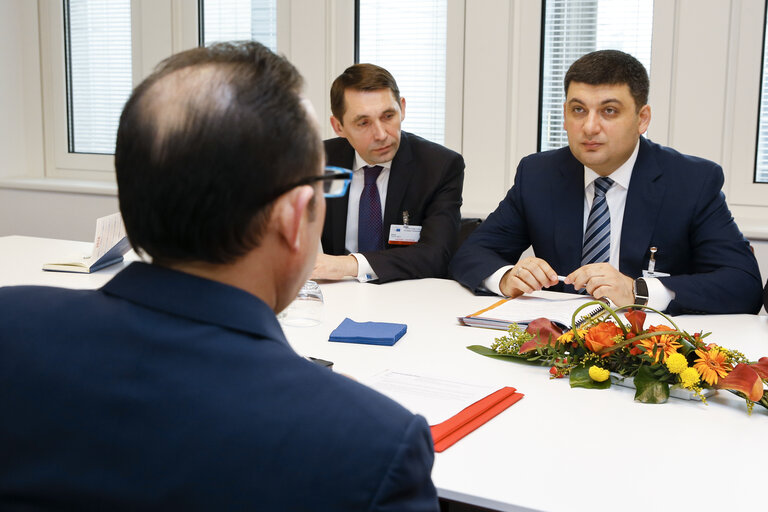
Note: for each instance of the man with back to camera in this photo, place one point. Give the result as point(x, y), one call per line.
point(400, 218)
point(173, 386)
point(597, 210)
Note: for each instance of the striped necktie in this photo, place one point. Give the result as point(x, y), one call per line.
point(369, 219)
point(597, 236)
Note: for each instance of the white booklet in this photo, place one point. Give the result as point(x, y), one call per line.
point(109, 246)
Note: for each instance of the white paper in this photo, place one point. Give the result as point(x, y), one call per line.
point(529, 307)
point(109, 231)
point(436, 399)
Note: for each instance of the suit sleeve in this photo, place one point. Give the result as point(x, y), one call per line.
point(765, 296)
point(407, 485)
point(724, 275)
point(429, 257)
point(497, 242)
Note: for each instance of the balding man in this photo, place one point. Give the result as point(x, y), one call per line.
point(173, 386)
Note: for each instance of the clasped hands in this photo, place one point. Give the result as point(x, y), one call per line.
point(601, 280)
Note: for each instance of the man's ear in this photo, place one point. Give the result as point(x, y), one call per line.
point(289, 215)
point(402, 109)
point(337, 127)
point(645, 118)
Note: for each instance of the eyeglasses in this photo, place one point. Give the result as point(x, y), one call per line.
point(335, 183)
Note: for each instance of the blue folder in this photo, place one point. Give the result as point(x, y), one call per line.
point(371, 333)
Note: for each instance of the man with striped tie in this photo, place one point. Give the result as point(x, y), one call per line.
point(614, 214)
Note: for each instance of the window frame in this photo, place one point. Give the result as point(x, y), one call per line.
point(158, 29)
point(454, 70)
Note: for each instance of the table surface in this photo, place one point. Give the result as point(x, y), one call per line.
point(556, 449)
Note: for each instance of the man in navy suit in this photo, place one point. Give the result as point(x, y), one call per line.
point(596, 211)
point(173, 387)
point(415, 187)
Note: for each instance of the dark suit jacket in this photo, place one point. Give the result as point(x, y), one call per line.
point(425, 180)
point(674, 202)
point(164, 391)
point(765, 296)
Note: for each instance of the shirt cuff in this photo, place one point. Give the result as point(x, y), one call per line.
point(492, 283)
point(365, 272)
point(659, 296)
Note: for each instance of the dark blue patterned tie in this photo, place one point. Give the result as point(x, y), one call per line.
point(369, 220)
point(597, 236)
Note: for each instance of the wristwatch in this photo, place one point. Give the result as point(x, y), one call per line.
point(640, 289)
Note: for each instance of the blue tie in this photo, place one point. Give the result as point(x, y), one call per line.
point(369, 219)
point(597, 236)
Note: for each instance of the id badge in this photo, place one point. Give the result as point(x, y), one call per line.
point(401, 234)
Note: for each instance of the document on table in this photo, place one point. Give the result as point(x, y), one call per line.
point(437, 399)
point(109, 245)
point(558, 307)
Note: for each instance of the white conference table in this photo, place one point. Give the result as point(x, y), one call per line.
point(557, 449)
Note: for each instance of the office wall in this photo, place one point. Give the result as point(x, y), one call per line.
point(692, 98)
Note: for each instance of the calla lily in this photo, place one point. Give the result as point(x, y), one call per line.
point(636, 319)
point(761, 367)
point(544, 333)
point(744, 378)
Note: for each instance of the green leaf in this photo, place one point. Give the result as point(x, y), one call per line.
point(485, 351)
point(649, 389)
point(580, 378)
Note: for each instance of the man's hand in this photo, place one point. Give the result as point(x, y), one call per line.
point(334, 267)
point(527, 275)
point(602, 280)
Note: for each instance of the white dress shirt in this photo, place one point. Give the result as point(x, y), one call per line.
point(659, 296)
point(364, 270)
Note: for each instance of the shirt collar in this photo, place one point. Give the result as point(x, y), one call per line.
point(360, 163)
point(622, 175)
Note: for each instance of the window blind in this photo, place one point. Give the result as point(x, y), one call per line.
point(761, 160)
point(409, 40)
point(99, 74)
point(240, 20)
point(575, 27)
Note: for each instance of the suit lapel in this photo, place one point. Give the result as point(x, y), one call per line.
point(336, 209)
point(644, 198)
point(399, 177)
point(568, 198)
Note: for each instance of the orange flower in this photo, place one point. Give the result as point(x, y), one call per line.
point(744, 378)
point(602, 336)
point(711, 365)
point(663, 344)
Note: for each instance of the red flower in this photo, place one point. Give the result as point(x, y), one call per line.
point(544, 333)
point(745, 378)
point(636, 319)
point(602, 336)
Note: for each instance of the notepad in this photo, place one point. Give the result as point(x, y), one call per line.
point(452, 408)
point(370, 333)
point(557, 307)
point(109, 246)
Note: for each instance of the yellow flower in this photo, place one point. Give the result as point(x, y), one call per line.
point(676, 362)
point(598, 374)
point(567, 336)
point(689, 377)
point(711, 365)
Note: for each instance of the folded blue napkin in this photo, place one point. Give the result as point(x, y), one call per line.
point(371, 333)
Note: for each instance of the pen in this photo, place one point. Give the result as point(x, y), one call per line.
point(561, 278)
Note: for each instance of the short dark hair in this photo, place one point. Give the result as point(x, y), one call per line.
point(360, 77)
point(204, 143)
point(611, 67)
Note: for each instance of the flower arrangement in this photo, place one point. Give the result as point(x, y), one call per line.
point(656, 357)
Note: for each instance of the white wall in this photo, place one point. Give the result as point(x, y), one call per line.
point(697, 97)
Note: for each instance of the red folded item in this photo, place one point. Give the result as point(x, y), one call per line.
point(451, 430)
